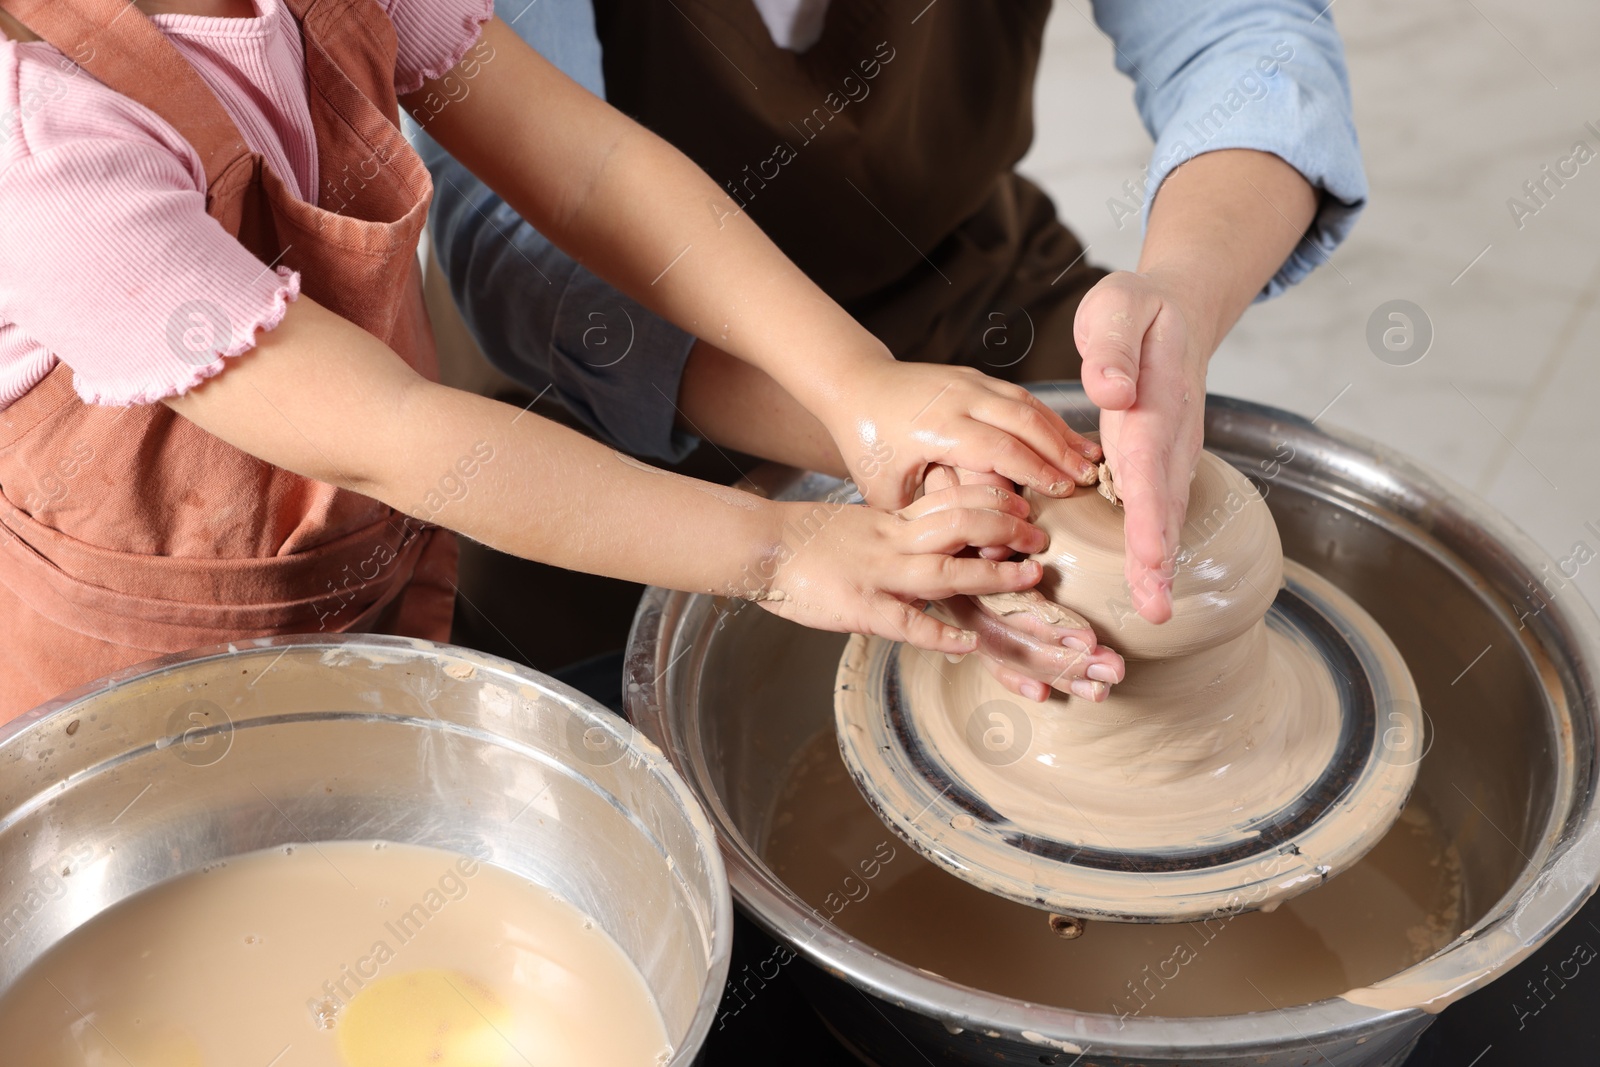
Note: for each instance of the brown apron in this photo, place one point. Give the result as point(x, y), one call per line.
point(880, 160)
point(166, 537)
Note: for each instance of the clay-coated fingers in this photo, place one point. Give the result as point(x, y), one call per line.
point(967, 477)
point(988, 448)
point(1150, 589)
point(1027, 419)
point(1030, 613)
point(1141, 473)
point(899, 620)
point(1050, 662)
point(934, 576)
point(958, 497)
point(1028, 665)
point(1015, 681)
point(1180, 473)
point(1153, 449)
point(1035, 690)
point(954, 529)
point(1143, 483)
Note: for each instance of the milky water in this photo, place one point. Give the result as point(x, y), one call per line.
point(1399, 904)
point(338, 954)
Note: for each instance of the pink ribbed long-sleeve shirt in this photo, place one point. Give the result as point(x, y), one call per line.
point(103, 227)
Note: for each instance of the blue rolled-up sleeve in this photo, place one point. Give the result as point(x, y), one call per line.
point(1267, 75)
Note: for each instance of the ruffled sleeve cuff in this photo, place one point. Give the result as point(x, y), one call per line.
point(434, 36)
point(201, 335)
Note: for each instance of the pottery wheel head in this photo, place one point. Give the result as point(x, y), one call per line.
point(1264, 739)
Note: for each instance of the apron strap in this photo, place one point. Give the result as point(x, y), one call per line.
point(124, 50)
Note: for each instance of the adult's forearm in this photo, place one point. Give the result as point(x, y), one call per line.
point(741, 407)
point(1220, 227)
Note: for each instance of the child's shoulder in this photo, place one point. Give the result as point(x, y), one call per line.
point(48, 102)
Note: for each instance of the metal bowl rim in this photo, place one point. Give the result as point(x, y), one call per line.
point(767, 900)
point(662, 768)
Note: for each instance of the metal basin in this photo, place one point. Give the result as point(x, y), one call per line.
point(1504, 656)
point(169, 767)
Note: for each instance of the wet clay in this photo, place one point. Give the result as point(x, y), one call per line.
point(1222, 725)
point(1106, 484)
point(1203, 713)
point(1180, 754)
point(342, 954)
point(1229, 564)
point(1399, 904)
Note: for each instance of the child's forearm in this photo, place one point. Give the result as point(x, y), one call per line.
point(551, 494)
point(322, 397)
point(639, 213)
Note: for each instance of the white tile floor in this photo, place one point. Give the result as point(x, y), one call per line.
point(1458, 102)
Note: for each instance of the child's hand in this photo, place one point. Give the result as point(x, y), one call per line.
point(1032, 646)
point(941, 477)
point(899, 419)
point(860, 570)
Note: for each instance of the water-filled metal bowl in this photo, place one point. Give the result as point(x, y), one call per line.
point(178, 764)
point(1504, 655)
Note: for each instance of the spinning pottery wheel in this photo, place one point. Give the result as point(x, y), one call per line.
point(1264, 739)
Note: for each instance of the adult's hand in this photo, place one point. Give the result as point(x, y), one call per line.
point(1145, 368)
point(1032, 646)
point(1220, 227)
